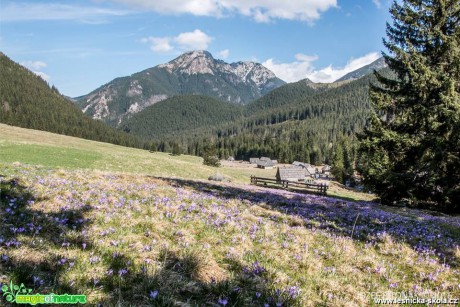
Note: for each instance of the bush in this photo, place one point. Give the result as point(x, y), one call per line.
point(211, 161)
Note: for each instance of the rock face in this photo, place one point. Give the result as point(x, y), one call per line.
point(195, 72)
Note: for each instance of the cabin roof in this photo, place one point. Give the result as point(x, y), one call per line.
point(291, 172)
point(265, 163)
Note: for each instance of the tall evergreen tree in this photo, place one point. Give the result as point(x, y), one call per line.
point(410, 151)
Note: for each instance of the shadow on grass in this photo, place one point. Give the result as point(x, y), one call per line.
point(35, 231)
point(188, 278)
point(365, 222)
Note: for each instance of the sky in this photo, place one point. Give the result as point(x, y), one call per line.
point(80, 45)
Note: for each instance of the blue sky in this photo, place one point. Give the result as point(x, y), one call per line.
point(80, 45)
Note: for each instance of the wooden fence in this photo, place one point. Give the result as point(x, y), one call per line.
point(320, 188)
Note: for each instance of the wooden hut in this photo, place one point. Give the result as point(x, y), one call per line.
point(290, 174)
point(309, 169)
point(265, 164)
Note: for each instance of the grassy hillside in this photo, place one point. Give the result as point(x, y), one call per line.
point(113, 224)
point(59, 151)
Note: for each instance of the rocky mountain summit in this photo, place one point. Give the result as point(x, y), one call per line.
point(195, 72)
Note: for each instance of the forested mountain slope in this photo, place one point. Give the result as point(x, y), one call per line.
point(27, 101)
point(298, 121)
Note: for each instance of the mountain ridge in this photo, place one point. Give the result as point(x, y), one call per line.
point(364, 70)
point(194, 72)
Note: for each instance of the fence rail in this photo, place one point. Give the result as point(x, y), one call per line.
point(320, 188)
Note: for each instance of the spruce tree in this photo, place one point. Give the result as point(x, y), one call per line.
point(176, 150)
point(410, 150)
point(338, 168)
point(210, 157)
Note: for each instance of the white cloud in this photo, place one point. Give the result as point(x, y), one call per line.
point(193, 40)
point(159, 44)
point(56, 11)
point(302, 68)
point(294, 71)
point(259, 10)
point(35, 67)
point(184, 41)
point(42, 75)
point(224, 53)
point(377, 3)
point(330, 74)
point(194, 7)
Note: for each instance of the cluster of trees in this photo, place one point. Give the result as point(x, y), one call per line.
point(410, 152)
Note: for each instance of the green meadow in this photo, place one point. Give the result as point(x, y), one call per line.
point(58, 151)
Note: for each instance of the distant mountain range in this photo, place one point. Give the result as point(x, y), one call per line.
point(296, 121)
point(195, 72)
point(188, 101)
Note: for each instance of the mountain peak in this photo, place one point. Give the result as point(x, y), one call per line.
point(202, 62)
point(192, 63)
point(198, 53)
point(194, 72)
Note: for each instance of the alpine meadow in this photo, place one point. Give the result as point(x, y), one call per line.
point(221, 153)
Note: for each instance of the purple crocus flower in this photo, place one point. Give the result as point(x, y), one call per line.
point(5, 258)
point(153, 294)
point(122, 272)
point(223, 301)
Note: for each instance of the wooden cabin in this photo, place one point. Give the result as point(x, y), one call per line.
point(290, 174)
point(309, 169)
point(265, 164)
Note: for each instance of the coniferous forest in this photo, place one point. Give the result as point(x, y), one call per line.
point(410, 151)
point(302, 121)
